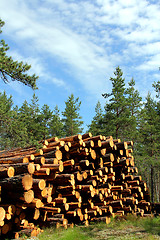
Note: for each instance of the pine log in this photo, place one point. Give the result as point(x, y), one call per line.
point(72, 138)
point(70, 214)
point(60, 200)
point(6, 228)
point(13, 160)
point(6, 171)
point(62, 221)
point(39, 160)
point(116, 188)
point(50, 209)
point(58, 143)
point(53, 154)
point(108, 144)
point(53, 139)
point(28, 232)
point(28, 196)
point(109, 157)
point(92, 154)
point(53, 167)
point(86, 135)
point(74, 205)
point(121, 145)
point(17, 183)
point(39, 184)
point(96, 138)
point(69, 163)
point(2, 213)
point(89, 144)
point(42, 172)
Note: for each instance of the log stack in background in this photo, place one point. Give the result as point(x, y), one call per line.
point(76, 179)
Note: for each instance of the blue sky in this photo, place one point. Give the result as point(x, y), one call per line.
point(75, 46)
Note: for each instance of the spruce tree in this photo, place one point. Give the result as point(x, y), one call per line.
point(96, 127)
point(116, 112)
point(148, 127)
point(134, 105)
point(13, 132)
point(71, 117)
point(35, 123)
point(5, 118)
point(30, 115)
point(14, 70)
point(149, 146)
point(45, 119)
point(56, 125)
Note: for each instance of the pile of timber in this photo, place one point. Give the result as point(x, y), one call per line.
point(76, 179)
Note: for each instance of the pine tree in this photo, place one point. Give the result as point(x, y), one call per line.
point(30, 115)
point(134, 106)
point(45, 119)
point(71, 117)
point(149, 146)
point(5, 115)
point(14, 70)
point(96, 127)
point(13, 132)
point(35, 120)
point(116, 112)
point(56, 125)
point(148, 127)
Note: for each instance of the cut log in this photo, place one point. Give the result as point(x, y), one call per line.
point(6, 171)
point(17, 183)
point(28, 196)
point(27, 182)
point(54, 154)
point(6, 228)
point(72, 138)
point(2, 213)
point(39, 184)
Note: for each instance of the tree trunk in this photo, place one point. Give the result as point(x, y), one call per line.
point(152, 184)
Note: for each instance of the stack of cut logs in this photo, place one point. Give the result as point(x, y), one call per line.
point(77, 179)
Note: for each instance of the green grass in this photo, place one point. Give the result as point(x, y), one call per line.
point(61, 234)
point(152, 225)
point(129, 228)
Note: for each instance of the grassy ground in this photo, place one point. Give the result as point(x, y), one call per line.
point(130, 228)
point(126, 229)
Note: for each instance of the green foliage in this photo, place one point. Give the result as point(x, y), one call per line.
point(14, 70)
point(71, 118)
point(33, 120)
point(56, 125)
point(131, 227)
point(76, 233)
point(148, 146)
point(45, 118)
point(12, 131)
point(134, 106)
point(96, 126)
point(152, 225)
point(156, 86)
point(149, 128)
point(116, 112)
point(28, 124)
point(22, 126)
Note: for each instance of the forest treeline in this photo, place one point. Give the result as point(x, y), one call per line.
point(124, 116)
point(28, 124)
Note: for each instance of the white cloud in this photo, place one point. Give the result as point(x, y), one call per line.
point(58, 82)
point(151, 64)
point(88, 38)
